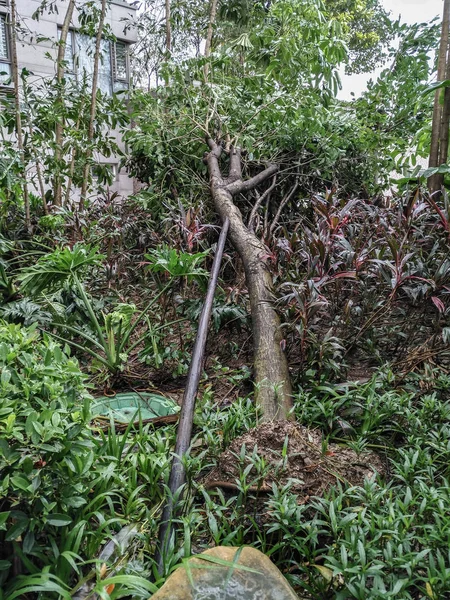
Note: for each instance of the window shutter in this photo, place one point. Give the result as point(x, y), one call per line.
point(113, 61)
point(3, 38)
point(119, 62)
point(3, 2)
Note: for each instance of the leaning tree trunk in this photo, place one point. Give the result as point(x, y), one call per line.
point(273, 391)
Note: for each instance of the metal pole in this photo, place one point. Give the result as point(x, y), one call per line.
point(184, 432)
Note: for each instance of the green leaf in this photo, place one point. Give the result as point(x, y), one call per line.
point(58, 520)
point(436, 86)
point(20, 482)
point(3, 518)
point(17, 529)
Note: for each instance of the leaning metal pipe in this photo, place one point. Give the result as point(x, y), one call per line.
point(184, 432)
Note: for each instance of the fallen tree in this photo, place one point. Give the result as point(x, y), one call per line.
point(273, 391)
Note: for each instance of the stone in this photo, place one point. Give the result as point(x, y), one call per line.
point(201, 579)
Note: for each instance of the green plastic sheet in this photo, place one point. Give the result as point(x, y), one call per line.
point(130, 406)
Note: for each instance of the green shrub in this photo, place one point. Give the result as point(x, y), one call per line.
point(46, 446)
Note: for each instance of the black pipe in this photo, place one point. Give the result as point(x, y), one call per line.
point(184, 432)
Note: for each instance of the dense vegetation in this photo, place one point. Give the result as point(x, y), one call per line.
point(233, 115)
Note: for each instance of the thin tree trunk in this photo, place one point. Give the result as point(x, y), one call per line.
point(40, 179)
point(15, 77)
point(209, 34)
point(74, 150)
point(35, 154)
point(168, 29)
point(435, 181)
point(59, 131)
point(281, 208)
point(273, 392)
point(93, 111)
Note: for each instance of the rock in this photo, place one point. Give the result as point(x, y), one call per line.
point(201, 579)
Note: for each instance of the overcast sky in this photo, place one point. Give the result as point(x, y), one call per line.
point(411, 11)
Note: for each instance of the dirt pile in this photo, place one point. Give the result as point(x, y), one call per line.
point(312, 467)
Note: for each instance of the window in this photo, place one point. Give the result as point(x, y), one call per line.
point(85, 50)
point(113, 64)
point(120, 66)
point(120, 62)
point(5, 57)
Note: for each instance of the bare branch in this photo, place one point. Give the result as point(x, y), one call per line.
point(237, 187)
point(258, 203)
point(280, 208)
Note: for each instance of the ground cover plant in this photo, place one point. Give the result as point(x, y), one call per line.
point(384, 538)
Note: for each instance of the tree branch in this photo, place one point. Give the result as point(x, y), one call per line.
point(212, 160)
point(280, 208)
point(214, 146)
point(237, 187)
point(235, 165)
point(258, 203)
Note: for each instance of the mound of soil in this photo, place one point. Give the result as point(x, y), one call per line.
point(311, 469)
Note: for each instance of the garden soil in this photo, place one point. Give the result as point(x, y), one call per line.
point(310, 467)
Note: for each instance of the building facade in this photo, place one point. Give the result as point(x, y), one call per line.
point(37, 51)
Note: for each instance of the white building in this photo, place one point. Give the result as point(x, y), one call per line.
point(36, 51)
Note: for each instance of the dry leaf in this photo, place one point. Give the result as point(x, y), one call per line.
point(326, 573)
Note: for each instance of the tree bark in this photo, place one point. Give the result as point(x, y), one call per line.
point(209, 34)
point(15, 78)
point(57, 185)
point(273, 392)
point(93, 111)
point(168, 29)
point(435, 181)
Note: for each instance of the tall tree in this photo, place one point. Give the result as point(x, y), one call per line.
point(368, 30)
